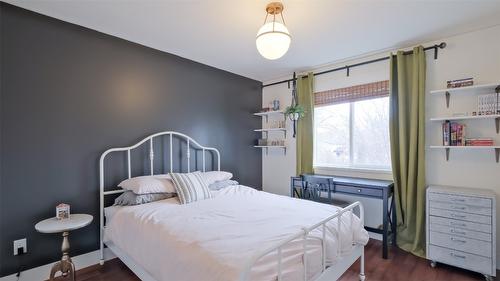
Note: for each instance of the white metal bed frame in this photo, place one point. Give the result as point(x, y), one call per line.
point(328, 273)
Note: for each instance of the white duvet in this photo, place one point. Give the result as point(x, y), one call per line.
point(213, 239)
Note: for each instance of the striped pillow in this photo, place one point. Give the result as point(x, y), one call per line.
point(190, 187)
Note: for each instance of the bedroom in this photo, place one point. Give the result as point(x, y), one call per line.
point(378, 117)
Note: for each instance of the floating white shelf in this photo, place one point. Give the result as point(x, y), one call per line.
point(267, 113)
point(484, 88)
point(467, 147)
point(266, 147)
point(493, 116)
point(496, 148)
point(270, 146)
point(270, 129)
point(496, 117)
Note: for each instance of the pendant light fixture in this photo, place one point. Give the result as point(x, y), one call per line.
point(273, 38)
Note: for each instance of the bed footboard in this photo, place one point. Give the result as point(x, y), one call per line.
point(304, 234)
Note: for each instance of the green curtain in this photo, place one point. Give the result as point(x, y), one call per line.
point(305, 125)
point(407, 134)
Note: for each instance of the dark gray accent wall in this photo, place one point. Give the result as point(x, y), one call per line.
point(68, 93)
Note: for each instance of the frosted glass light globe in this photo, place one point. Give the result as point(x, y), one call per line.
point(273, 44)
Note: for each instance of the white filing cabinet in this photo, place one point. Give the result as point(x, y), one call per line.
point(461, 228)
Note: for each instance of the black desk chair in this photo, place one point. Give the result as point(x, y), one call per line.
point(313, 187)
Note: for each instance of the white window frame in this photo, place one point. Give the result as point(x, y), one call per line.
point(347, 171)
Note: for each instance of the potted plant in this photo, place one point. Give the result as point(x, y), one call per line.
point(295, 112)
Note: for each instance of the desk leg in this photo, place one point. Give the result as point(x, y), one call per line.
point(385, 230)
point(394, 219)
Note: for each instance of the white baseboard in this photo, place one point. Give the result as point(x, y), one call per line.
point(42, 272)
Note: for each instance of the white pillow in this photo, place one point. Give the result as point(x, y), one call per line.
point(190, 187)
point(215, 176)
point(149, 184)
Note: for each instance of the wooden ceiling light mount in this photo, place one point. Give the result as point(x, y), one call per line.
point(274, 8)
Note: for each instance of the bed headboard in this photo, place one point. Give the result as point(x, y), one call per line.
point(190, 144)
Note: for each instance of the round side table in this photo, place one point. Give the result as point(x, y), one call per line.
point(53, 225)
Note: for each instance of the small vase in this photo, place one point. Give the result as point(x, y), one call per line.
point(276, 105)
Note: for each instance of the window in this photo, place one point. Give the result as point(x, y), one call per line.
point(353, 133)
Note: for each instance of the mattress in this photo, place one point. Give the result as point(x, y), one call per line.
point(214, 239)
point(109, 212)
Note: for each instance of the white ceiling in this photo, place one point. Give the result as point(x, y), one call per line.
point(221, 33)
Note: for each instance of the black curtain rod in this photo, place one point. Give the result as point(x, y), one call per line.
point(442, 45)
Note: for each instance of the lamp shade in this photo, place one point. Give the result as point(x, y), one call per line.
point(273, 40)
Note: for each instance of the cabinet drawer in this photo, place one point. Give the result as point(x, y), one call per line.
point(358, 190)
point(460, 216)
point(461, 232)
point(464, 260)
point(461, 208)
point(460, 224)
point(467, 200)
point(463, 244)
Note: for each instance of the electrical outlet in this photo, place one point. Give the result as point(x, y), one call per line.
point(21, 243)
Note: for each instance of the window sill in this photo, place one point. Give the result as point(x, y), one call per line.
point(354, 172)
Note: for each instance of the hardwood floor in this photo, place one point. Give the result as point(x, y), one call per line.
point(400, 266)
point(404, 266)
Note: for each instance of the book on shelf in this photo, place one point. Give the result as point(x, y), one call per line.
point(453, 134)
point(446, 133)
point(460, 83)
point(479, 142)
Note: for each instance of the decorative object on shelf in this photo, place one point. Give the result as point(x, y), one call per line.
point(295, 111)
point(261, 142)
point(277, 124)
point(62, 211)
point(460, 83)
point(276, 142)
point(273, 38)
point(488, 104)
point(270, 142)
point(276, 105)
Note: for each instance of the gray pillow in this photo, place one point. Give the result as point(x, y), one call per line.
point(129, 198)
point(221, 184)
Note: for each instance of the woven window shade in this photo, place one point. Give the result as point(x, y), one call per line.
point(352, 94)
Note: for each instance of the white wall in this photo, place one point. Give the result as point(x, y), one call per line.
point(475, 54)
